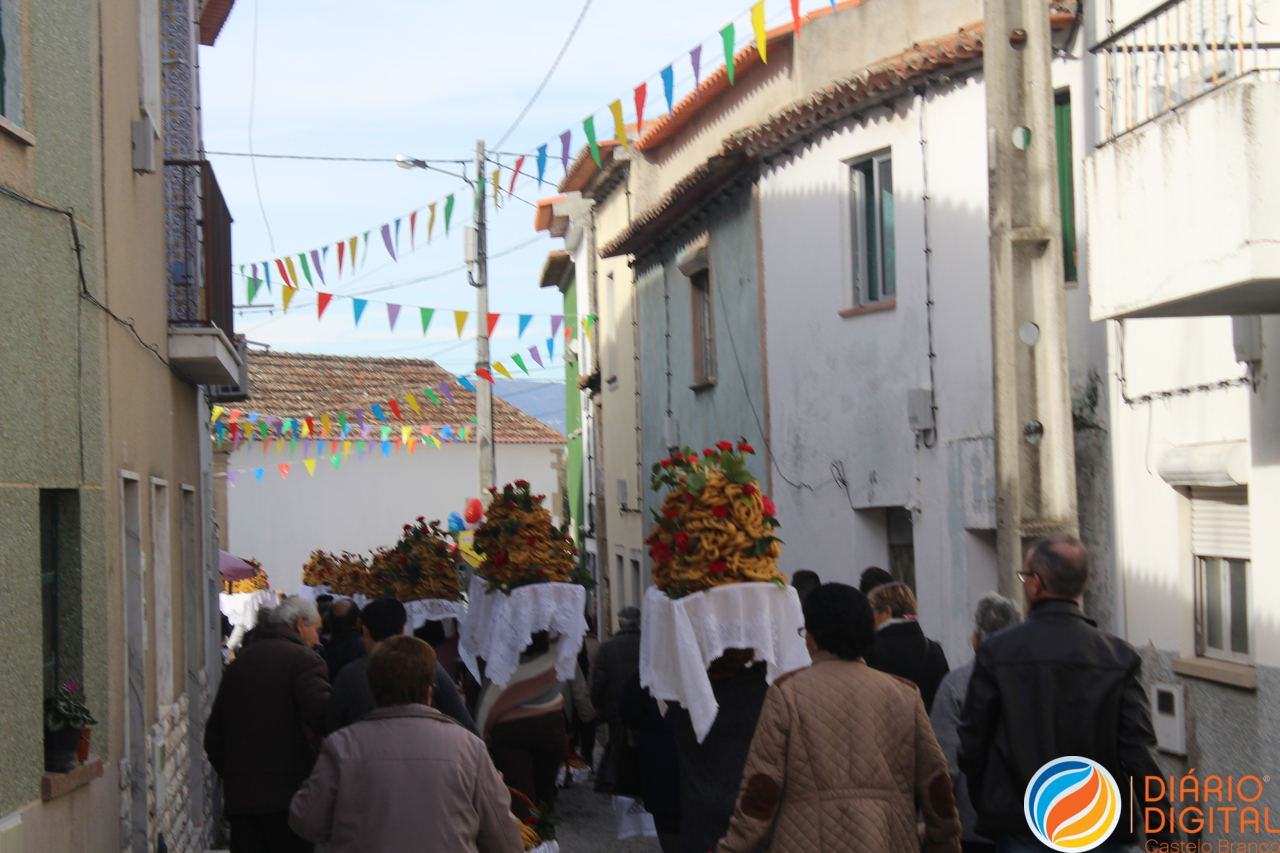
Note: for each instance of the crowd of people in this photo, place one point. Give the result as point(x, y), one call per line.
point(337, 729)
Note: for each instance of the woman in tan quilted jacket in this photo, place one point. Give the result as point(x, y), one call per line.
point(843, 758)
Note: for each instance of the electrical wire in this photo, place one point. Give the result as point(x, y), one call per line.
point(253, 93)
point(546, 79)
point(323, 157)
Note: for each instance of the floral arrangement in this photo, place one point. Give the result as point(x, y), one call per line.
point(538, 826)
point(64, 710)
point(420, 565)
point(250, 584)
point(715, 526)
point(520, 545)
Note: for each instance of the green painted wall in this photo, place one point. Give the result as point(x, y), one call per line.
point(573, 425)
point(50, 381)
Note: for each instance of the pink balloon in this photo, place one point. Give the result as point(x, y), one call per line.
point(475, 510)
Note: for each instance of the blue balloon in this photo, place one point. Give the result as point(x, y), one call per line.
point(455, 522)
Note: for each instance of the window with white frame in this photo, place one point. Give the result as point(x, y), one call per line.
point(1220, 543)
point(874, 256)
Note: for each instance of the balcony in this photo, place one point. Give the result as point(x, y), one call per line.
point(1179, 196)
point(202, 341)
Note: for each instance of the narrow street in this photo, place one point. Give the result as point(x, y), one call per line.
point(588, 825)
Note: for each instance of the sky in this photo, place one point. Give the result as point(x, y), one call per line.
point(426, 79)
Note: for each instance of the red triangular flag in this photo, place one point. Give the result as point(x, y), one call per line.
point(322, 302)
point(640, 93)
point(342, 247)
point(413, 222)
point(284, 470)
point(515, 174)
point(284, 273)
point(484, 374)
point(493, 321)
point(395, 409)
point(795, 15)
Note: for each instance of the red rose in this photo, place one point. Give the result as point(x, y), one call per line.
point(693, 457)
point(665, 463)
point(746, 448)
point(531, 541)
point(720, 512)
point(749, 490)
point(769, 507)
point(422, 519)
point(707, 451)
point(725, 445)
point(499, 560)
point(670, 512)
point(682, 541)
point(717, 567)
point(530, 820)
point(520, 484)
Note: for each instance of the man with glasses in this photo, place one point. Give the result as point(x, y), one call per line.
point(1049, 687)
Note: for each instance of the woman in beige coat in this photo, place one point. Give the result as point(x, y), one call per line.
point(843, 758)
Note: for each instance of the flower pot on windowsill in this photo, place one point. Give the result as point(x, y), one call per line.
point(66, 730)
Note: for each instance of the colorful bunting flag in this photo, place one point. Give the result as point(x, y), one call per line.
point(444, 387)
point(336, 460)
point(293, 272)
point(460, 319)
point(315, 259)
point(231, 478)
point(393, 314)
point(257, 474)
point(397, 236)
point(427, 314)
point(351, 250)
point(311, 466)
point(556, 320)
point(466, 383)
point(404, 433)
point(284, 273)
point(564, 148)
point(284, 470)
point(322, 302)
point(413, 404)
point(497, 188)
point(377, 411)
point(726, 35)
point(413, 226)
point(551, 346)
point(668, 76)
point(395, 408)
point(358, 306)
point(287, 295)
point(640, 93)
point(695, 56)
point(386, 241)
point(515, 174)
point(217, 413)
point(306, 270)
point(364, 256)
point(542, 163)
point(619, 126)
point(757, 24)
point(520, 363)
point(589, 127)
point(795, 16)
point(537, 356)
point(448, 212)
point(342, 247)
point(432, 395)
point(431, 220)
point(497, 365)
point(493, 321)
point(385, 433)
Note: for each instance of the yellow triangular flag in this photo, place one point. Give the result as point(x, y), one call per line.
point(353, 243)
point(586, 327)
point(346, 448)
point(497, 365)
point(306, 429)
point(217, 413)
point(412, 442)
point(757, 24)
point(311, 466)
point(619, 126)
point(413, 404)
point(324, 426)
point(434, 440)
point(404, 433)
point(497, 176)
point(293, 273)
point(279, 447)
point(287, 296)
point(431, 220)
point(460, 317)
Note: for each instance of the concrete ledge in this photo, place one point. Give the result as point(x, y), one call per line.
point(54, 785)
point(16, 132)
point(1224, 672)
point(869, 308)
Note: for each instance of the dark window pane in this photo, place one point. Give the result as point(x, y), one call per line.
point(871, 233)
point(885, 189)
point(1066, 183)
point(1212, 568)
point(1238, 582)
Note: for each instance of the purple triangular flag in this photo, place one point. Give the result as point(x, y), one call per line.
point(306, 447)
point(564, 148)
point(386, 239)
point(364, 430)
point(360, 417)
point(695, 56)
point(444, 386)
point(556, 320)
point(315, 260)
point(537, 356)
point(231, 477)
point(393, 312)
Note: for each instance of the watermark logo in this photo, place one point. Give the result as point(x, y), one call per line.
point(1072, 804)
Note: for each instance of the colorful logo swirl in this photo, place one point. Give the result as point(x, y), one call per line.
point(1072, 804)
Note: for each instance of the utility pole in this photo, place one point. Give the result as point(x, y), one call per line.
point(1035, 445)
point(484, 390)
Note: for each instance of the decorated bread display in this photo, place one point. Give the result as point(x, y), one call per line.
point(251, 584)
point(715, 526)
point(419, 566)
point(520, 545)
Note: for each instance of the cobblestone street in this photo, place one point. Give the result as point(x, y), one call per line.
point(588, 825)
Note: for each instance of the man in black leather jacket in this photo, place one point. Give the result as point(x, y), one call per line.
point(1050, 687)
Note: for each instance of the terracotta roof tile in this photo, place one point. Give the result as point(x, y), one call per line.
point(292, 385)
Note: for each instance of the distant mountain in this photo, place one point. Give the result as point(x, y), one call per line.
point(542, 400)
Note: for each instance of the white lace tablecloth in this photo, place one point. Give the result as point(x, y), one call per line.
point(420, 612)
point(679, 638)
point(241, 608)
point(498, 626)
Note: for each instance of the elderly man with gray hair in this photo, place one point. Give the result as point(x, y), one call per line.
point(993, 613)
point(261, 737)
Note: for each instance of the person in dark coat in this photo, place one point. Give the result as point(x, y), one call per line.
point(659, 761)
point(711, 771)
point(347, 641)
point(262, 734)
point(617, 662)
point(1054, 686)
point(901, 647)
point(352, 699)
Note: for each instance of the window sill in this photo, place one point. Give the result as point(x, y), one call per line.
point(16, 132)
point(55, 785)
point(1223, 672)
point(869, 308)
point(704, 385)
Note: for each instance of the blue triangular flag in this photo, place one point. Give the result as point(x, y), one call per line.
point(466, 383)
point(377, 412)
point(524, 323)
point(257, 474)
point(551, 347)
point(542, 163)
point(386, 448)
point(668, 85)
point(358, 306)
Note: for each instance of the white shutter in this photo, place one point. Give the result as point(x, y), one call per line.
point(1220, 522)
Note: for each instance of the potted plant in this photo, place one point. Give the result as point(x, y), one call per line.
point(66, 724)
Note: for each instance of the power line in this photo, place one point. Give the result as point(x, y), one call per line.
point(253, 92)
point(547, 78)
point(320, 157)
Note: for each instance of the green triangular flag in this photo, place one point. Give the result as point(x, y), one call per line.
point(480, 192)
point(342, 422)
point(448, 212)
point(293, 444)
point(432, 395)
point(336, 460)
point(365, 257)
point(589, 127)
point(727, 35)
point(254, 284)
point(426, 318)
point(520, 363)
point(306, 270)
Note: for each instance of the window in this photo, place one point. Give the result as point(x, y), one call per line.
point(60, 586)
point(900, 533)
point(704, 329)
point(1066, 183)
point(874, 257)
point(637, 579)
point(11, 61)
point(621, 562)
point(1220, 541)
